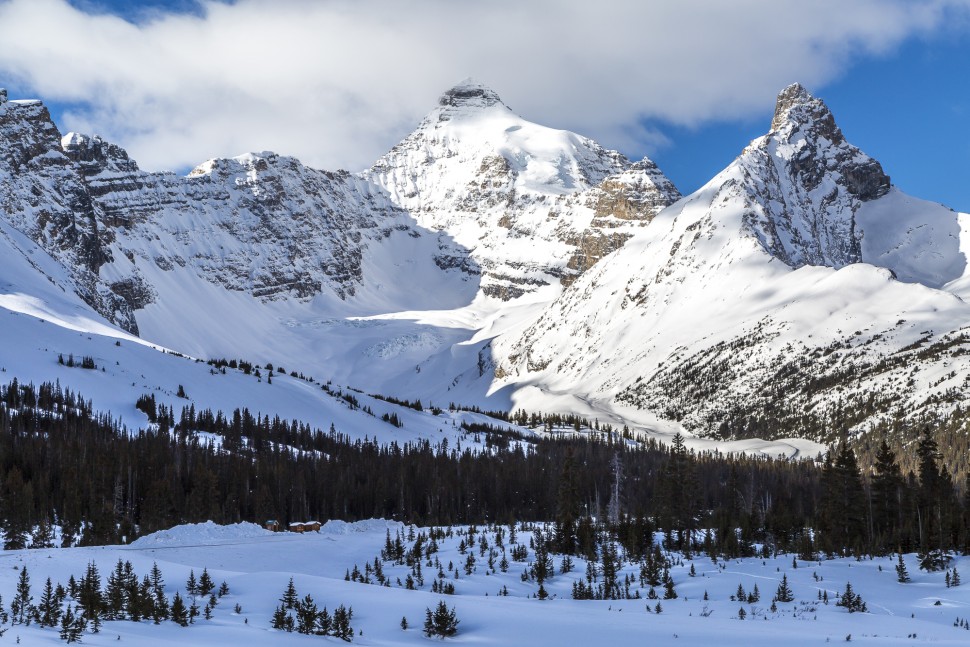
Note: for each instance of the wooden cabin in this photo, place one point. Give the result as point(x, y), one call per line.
point(272, 525)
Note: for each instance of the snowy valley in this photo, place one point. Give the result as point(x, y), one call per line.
point(493, 604)
point(499, 328)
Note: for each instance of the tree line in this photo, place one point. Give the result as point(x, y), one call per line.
point(61, 464)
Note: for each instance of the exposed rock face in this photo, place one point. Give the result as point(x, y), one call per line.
point(804, 183)
point(467, 94)
point(261, 224)
point(619, 203)
point(43, 195)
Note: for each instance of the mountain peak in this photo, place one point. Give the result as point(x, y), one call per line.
point(469, 94)
point(3, 95)
point(795, 105)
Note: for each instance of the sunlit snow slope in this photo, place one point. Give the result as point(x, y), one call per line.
point(796, 291)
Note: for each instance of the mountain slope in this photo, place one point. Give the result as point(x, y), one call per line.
point(359, 278)
point(770, 302)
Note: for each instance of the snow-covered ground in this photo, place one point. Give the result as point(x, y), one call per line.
point(257, 565)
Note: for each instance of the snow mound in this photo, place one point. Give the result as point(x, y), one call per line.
point(201, 533)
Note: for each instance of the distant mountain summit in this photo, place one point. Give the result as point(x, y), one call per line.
point(522, 198)
point(469, 95)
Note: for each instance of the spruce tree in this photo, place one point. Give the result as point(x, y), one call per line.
point(115, 593)
point(179, 614)
point(669, 592)
point(72, 626)
point(902, 575)
point(851, 600)
point(21, 608)
point(340, 625)
point(279, 618)
point(442, 622)
point(784, 592)
point(755, 595)
point(49, 609)
point(290, 597)
point(886, 488)
point(306, 615)
point(324, 623)
point(206, 585)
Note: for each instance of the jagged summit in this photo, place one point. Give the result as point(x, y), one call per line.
point(807, 137)
point(94, 155)
point(794, 95)
point(469, 93)
point(3, 95)
point(796, 109)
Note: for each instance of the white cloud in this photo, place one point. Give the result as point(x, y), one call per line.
point(336, 83)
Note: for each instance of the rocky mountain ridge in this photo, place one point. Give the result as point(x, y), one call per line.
point(492, 261)
point(768, 303)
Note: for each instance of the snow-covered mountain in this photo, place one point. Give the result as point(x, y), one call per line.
point(492, 261)
point(797, 291)
point(344, 277)
point(535, 206)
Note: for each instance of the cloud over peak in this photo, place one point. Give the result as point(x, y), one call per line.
point(337, 83)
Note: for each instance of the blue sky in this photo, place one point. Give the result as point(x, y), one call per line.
point(909, 109)
point(336, 83)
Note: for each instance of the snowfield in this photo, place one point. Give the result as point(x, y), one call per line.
point(257, 566)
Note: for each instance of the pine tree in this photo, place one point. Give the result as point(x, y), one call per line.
point(324, 623)
point(784, 592)
point(279, 618)
point(115, 593)
point(842, 520)
point(340, 625)
point(755, 595)
point(902, 575)
point(567, 506)
point(206, 585)
point(89, 596)
point(179, 614)
point(442, 623)
point(72, 626)
point(306, 615)
point(156, 577)
point(49, 609)
point(851, 600)
point(669, 592)
point(886, 487)
point(192, 585)
point(21, 608)
point(290, 597)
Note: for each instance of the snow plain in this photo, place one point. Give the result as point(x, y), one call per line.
point(257, 566)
